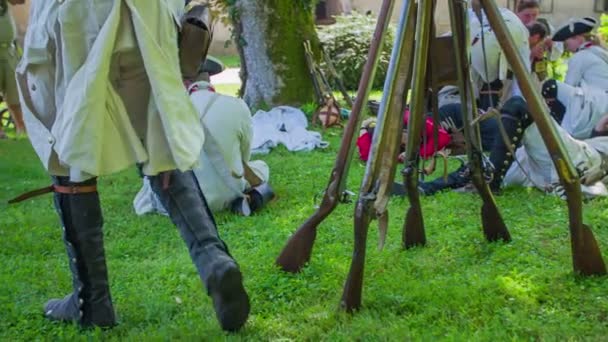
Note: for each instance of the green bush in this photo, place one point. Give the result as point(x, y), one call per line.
point(603, 30)
point(347, 43)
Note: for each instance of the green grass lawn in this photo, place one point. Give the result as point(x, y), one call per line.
point(459, 287)
point(230, 61)
point(227, 89)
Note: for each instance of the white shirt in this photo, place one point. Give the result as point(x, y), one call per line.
point(229, 132)
point(220, 174)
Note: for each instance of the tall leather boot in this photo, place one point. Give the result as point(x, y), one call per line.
point(181, 196)
point(515, 119)
point(90, 303)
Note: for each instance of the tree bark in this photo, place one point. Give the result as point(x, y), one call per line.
point(269, 37)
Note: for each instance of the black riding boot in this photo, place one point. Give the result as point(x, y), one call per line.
point(180, 194)
point(515, 119)
point(90, 303)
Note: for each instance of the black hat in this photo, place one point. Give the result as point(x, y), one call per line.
point(212, 66)
point(574, 28)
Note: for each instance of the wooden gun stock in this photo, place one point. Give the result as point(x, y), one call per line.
point(353, 288)
point(493, 224)
point(413, 227)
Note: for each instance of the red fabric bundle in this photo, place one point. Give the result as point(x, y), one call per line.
point(427, 150)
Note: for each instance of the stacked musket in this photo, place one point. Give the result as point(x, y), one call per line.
point(411, 66)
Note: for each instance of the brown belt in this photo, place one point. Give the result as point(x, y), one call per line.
point(68, 190)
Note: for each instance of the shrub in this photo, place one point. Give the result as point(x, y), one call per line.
point(347, 43)
point(603, 30)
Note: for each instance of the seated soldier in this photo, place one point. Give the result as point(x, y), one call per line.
point(226, 176)
point(589, 62)
point(582, 110)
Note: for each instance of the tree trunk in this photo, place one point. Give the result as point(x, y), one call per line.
point(269, 37)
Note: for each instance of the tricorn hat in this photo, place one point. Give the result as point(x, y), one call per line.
point(211, 66)
point(575, 27)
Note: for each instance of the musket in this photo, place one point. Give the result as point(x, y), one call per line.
point(586, 255)
point(413, 229)
point(298, 249)
point(312, 70)
point(493, 224)
point(381, 165)
point(337, 78)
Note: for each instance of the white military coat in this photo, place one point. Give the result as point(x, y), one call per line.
point(76, 113)
point(220, 173)
point(229, 132)
point(589, 65)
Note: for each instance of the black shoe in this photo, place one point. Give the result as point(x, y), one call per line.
point(455, 180)
point(183, 200)
point(230, 300)
point(65, 310)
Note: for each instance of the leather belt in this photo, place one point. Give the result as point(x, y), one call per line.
point(68, 190)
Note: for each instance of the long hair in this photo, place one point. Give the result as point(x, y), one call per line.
point(594, 39)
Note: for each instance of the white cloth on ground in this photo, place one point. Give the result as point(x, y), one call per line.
point(283, 125)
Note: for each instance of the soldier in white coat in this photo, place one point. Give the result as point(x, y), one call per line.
point(589, 62)
point(225, 174)
point(101, 89)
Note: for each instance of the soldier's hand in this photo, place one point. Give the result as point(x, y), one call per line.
point(538, 51)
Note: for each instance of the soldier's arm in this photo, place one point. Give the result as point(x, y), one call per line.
point(575, 71)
